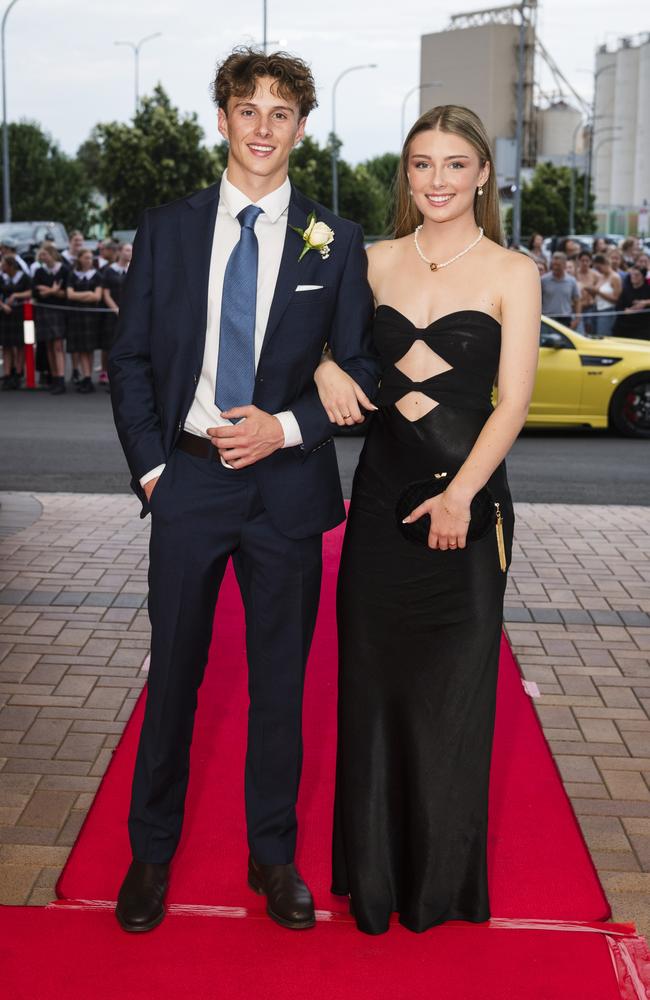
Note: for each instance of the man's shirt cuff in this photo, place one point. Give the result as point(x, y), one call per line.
point(291, 428)
point(151, 475)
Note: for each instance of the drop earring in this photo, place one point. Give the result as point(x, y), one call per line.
point(480, 190)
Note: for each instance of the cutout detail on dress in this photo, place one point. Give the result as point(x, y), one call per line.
point(419, 364)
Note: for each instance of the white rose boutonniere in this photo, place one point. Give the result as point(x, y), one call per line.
point(317, 236)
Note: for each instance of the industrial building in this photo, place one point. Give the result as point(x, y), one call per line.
point(485, 45)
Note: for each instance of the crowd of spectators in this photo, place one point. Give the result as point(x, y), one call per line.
point(603, 290)
point(76, 297)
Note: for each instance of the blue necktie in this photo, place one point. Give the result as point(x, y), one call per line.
point(236, 362)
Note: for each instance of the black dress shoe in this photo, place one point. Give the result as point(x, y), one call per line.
point(288, 900)
point(140, 903)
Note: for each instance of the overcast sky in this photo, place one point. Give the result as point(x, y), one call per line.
point(64, 70)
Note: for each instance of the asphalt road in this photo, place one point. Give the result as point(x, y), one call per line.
point(68, 444)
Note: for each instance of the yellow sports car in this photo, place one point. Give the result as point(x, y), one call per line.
point(593, 381)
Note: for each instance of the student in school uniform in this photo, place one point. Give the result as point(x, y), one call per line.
point(75, 246)
point(16, 288)
point(107, 251)
point(84, 294)
point(9, 248)
point(48, 290)
point(113, 276)
point(69, 261)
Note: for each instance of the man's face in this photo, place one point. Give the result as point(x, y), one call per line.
point(262, 130)
point(558, 266)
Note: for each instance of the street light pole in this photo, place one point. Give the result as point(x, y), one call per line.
point(519, 127)
point(572, 189)
point(6, 187)
point(335, 152)
point(136, 46)
point(420, 86)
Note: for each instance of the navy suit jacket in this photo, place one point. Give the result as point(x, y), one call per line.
point(155, 363)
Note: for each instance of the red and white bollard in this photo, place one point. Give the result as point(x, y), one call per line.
point(29, 338)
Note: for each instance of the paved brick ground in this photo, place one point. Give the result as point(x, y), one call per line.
point(74, 636)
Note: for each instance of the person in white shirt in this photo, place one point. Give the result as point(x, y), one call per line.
point(230, 299)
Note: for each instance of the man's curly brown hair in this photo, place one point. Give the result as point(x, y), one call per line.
point(237, 77)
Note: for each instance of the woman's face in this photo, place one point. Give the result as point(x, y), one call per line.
point(86, 260)
point(603, 269)
point(600, 245)
point(444, 172)
point(636, 277)
point(615, 258)
point(45, 257)
point(584, 260)
point(537, 241)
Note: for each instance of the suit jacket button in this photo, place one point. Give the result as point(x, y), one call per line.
point(196, 379)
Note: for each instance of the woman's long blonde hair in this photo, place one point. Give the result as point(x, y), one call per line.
point(456, 120)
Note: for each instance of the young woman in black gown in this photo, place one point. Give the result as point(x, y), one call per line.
point(420, 625)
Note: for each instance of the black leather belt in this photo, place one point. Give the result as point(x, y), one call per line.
point(197, 446)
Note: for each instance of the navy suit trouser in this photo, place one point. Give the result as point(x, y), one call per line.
point(203, 514)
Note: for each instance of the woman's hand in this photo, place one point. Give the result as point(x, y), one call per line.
point(449, 521)
point(340, 395)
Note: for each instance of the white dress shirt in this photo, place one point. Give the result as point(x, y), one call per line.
point(270, 229)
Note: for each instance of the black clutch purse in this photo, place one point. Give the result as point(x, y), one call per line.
point(485, 513)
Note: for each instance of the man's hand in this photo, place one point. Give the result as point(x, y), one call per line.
point(149, 487)
point(253, 438)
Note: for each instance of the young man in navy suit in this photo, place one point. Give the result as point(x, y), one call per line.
point(231, 450)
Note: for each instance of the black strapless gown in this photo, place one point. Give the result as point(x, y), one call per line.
point(419, 634)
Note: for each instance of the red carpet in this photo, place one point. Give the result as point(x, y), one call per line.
point(84, 954)
point(539, 865)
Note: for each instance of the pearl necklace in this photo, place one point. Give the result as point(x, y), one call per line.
point(436, 267)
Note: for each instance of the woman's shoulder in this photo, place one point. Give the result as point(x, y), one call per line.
point(384, 252)
point(511, 264)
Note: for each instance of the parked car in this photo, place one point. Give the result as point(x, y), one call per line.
point(124, 235)
point(591, 381)
point(586, 241)
point(29, 235)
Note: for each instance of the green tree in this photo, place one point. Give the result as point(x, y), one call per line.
point(384, 169)
point(310, 169)
point(160, 156)
point(364, 190)
point(45, 183)
point(545, 203)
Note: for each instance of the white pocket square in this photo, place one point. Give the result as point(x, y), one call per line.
point(307, 288)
